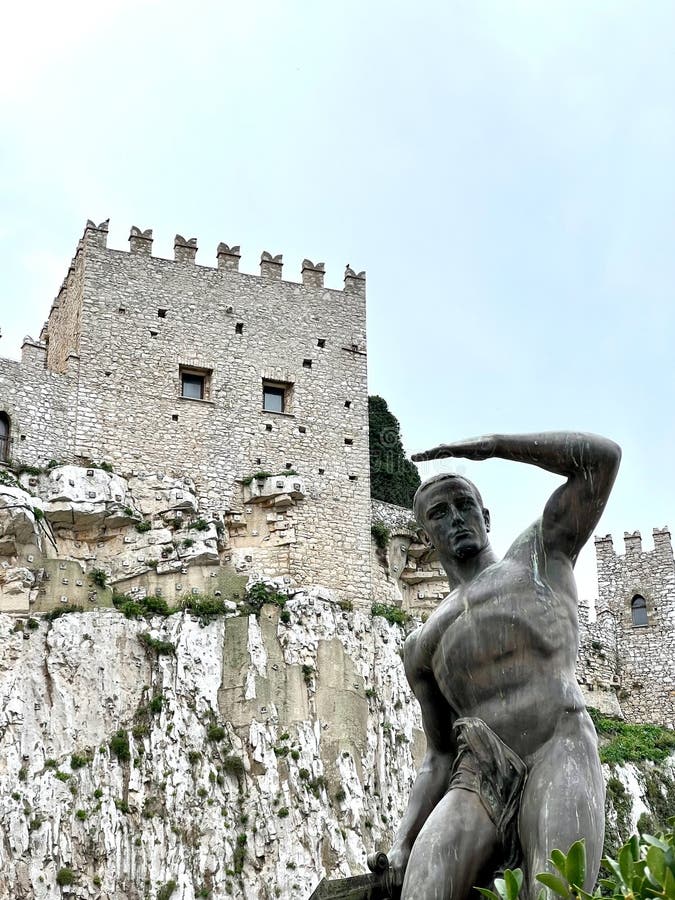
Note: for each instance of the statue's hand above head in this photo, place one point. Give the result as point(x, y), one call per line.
point(473, 448)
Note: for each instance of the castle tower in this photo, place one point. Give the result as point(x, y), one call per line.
point(637, 600)
point(252, 386)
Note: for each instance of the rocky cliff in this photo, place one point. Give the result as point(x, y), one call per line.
point(244, 756)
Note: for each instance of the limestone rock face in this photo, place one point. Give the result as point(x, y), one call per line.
point(77, 497)
point(18, 525)
point(157, 493)
point(250, 757)
point(246, 757)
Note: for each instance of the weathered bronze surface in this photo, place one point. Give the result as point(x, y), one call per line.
point(511, 769)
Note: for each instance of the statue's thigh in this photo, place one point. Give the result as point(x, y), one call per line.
point(563, 801)
point(457, 843)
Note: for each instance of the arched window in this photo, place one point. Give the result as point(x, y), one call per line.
point(638, 609)
point(4, 436)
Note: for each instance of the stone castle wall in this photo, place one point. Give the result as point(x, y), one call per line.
point(106, 386)
point(644, 654)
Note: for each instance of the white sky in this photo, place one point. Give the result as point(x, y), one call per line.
point(503, 169)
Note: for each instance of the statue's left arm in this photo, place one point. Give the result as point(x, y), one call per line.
point(588, 461)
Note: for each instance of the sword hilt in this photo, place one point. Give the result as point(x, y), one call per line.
point(378, 862)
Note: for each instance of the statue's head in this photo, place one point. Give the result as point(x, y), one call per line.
point(450, 509)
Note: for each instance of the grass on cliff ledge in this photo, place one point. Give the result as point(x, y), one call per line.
point(204, 607)
point(622, 742)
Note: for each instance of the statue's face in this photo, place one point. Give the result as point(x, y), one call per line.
point(454, 519)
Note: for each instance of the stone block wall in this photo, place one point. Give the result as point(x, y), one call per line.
point(40, 404)
point(645, 654)
point(106, 386)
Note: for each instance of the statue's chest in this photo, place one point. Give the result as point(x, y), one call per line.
point(503, 613)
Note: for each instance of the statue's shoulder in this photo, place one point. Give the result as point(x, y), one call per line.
point(527, 543)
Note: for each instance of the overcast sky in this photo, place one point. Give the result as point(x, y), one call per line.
point(503, 170)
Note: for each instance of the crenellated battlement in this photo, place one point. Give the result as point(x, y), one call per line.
point(228, 257)
point(604, 544)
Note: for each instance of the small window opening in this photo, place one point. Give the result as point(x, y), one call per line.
point(321, 343)
point(268, 427)
point(289, 465)
point(153, 333)
point(349, 441)
point(161, 313)
point(276, 396)
point(638, 608)
point(353, 477)
point(174, 417)
point(194, 383)
point(322, 471)
point(4, 436)
point(348, 404)
point(239, 328)
point(122, 309)
point(302, 429)
point(258, 461)
point(307, 363)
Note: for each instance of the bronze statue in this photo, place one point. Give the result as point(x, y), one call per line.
point(511, 770)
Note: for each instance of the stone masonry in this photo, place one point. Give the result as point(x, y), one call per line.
point(642, 656)
point(106, 383)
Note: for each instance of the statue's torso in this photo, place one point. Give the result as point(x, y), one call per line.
point(503, 648)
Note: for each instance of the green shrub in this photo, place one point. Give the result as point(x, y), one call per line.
point(99, 577)
point(307, 673)
point(119, 745)
point(65, 876)
point(29, 470)
point(77, 761)
point(393, 614)
point(193, 757)
point(258, 595)
point(215, 732)
point(623, 742)
point(32, 624)
point(155, 705)
point(81, 815)
point(161, 648)
point(199, 525)
point(233, 765)
point(239, 853)
point(283, 812)
point(143, 526)
point(187, 543)
point(381, 535)
point(166, 890)
point(205, 608)
point(63, 611)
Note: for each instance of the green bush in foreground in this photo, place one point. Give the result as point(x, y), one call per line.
point(643, 869)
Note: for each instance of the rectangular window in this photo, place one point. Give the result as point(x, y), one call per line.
point(277, 396)
point(274, 398)
point(194, 383)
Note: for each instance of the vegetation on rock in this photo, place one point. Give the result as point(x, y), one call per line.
point(625, 742)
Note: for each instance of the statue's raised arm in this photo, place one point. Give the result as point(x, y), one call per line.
point(588, 461)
